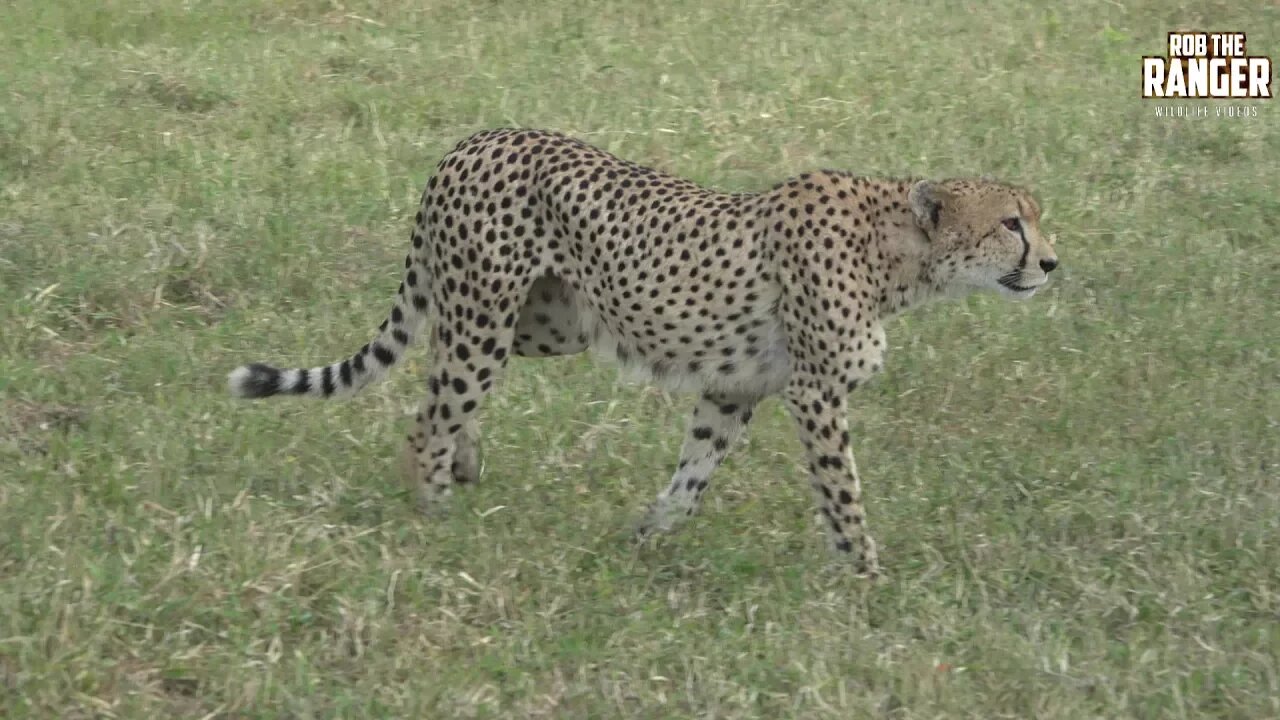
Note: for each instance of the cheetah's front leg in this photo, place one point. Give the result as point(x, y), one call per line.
point(818, 409)
point(717, 421)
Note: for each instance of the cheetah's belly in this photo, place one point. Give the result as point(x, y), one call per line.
point(747, 355)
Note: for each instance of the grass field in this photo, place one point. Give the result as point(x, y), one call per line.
point(1076, 497)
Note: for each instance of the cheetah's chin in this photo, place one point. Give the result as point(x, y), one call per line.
point(1017, 292)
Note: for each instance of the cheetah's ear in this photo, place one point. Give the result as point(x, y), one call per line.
point(927, 199)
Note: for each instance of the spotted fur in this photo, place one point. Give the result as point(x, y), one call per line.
point(536, 244)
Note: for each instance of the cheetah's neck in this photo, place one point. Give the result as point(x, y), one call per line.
point(904, 255)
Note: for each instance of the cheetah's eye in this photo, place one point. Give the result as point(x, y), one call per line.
point(1013, 224)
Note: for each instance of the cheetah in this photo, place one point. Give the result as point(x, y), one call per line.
point(536, 244)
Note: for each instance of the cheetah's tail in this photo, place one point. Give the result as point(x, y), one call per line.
point(348, 376)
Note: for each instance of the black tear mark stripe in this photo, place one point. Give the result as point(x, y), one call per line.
point(1026, 247)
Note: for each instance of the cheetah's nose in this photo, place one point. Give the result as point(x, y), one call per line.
point(1048, 264)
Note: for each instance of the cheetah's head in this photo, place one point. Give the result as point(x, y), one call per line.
point(983, 234)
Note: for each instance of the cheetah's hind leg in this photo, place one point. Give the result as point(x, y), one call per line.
point(548, 326)
point(466, 453)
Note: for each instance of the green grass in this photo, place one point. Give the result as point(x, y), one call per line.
point(1076, 497)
